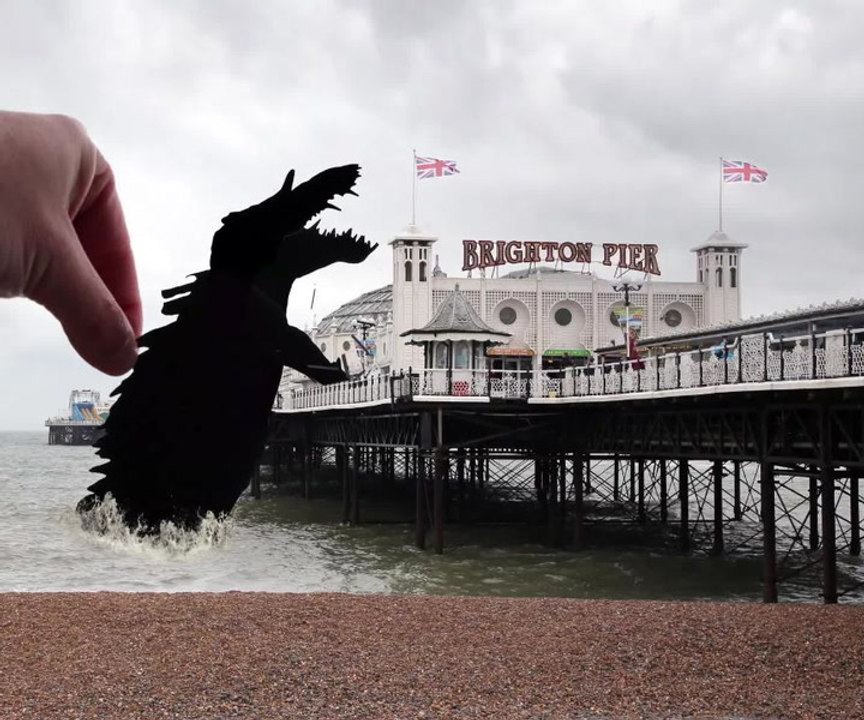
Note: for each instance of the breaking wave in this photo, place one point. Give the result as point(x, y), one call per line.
point(105, 522)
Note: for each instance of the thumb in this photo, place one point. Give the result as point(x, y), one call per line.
point(71, 289)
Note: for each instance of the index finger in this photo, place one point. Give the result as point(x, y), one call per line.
point(102, 231)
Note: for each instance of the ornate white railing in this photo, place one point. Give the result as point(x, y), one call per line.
point(748, 359)
point(352, 392)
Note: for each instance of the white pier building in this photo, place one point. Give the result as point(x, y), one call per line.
point(551, 316)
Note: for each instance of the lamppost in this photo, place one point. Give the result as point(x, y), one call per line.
point(627, 287)
point(364, 326)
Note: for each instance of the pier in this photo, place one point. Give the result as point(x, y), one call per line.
point(757, 450)
point(62, 431)
point(82, 423)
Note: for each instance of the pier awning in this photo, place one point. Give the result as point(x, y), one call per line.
point(519, 350)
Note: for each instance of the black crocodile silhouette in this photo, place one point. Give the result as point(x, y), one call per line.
point(191, 421)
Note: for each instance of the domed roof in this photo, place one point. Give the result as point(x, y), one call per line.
point(531, 272)
point(375, 304)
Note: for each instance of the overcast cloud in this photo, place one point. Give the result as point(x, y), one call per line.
point(591, 122)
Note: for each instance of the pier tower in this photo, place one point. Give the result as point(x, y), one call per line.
point(412, 291)
point(718, 268)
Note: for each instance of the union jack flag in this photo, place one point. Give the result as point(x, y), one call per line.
point(433, 167)
point(738, 171)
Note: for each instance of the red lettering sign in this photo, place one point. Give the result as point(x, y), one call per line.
point(486, 253)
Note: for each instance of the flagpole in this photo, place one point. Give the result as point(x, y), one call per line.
point(414, 189)
point(721, 195)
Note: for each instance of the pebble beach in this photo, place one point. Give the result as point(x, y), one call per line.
point(263, 655)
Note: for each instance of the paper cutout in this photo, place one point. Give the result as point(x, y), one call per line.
point(184, 437)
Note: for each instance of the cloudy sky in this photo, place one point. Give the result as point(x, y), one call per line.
point(589, 122)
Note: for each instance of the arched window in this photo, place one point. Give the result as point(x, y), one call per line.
point(408, 271)
point(422, 271)
point(733, 277)
point(441, 359)
point(719, 274)
point(461, 355)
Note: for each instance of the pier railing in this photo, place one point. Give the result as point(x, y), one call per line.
point(746, 359)
point(59, 420)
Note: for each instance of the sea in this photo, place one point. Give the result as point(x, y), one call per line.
point(283, 543)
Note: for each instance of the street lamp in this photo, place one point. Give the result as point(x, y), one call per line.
point(627, 287)
point(364, 324)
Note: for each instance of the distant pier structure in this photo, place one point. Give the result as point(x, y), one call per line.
point(82, 425)
point(744, 438)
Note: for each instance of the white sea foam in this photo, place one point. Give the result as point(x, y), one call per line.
point(104, 522)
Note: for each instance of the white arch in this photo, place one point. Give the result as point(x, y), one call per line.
point(688, 318)
point(565, 336)
point(519, 328)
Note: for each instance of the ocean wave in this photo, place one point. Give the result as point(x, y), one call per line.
point(103, 522)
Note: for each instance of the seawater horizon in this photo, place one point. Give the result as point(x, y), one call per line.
point(286, 544)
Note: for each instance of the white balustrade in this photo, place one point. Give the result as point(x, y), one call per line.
point(750, 359)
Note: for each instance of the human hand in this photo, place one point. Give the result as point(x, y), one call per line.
point(63, 240)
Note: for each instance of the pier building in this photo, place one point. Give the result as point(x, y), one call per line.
point(551, 313)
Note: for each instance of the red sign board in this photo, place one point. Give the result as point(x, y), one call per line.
point(490, 253)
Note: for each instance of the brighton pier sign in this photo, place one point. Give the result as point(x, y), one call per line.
point(491, 253)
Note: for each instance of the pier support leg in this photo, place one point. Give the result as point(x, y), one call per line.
point(854, 515)
point(550, 471)
point(769, 534)
point(632, 481)
point(442, 461)
point(344, 473)
point(684, 498)
point(736, 489)
point(829, 547)
point(813, 504)
point(588, 488)
point(829, 526)
point(540, 490)
point(562, 498)
point(407, 466)
point(460, 481)
point(420, 506)
point(717, 548)
point(420, 459)
point(664, 493)
point(355, 487)
point(640, 468)
point(391, 467)
point(578, 506)
point(307, 470)
point(616, 478)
